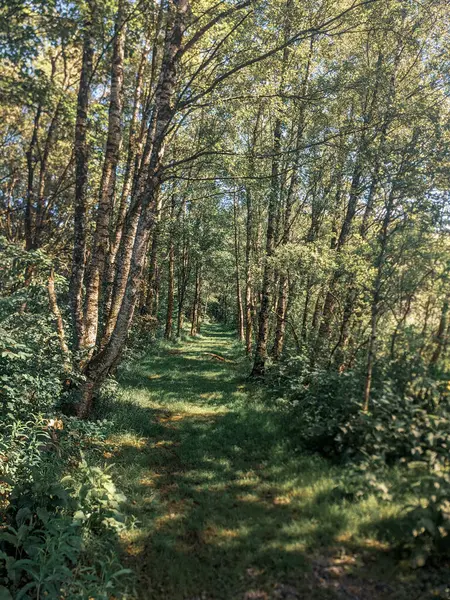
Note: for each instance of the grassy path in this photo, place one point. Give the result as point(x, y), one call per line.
point(224, 508)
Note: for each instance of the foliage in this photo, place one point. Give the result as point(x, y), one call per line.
point(404, 431)
point(98, 501)
point(409, 434)
point(31, 365)
point(317, 402)
point(60, 506)
point(281, 167)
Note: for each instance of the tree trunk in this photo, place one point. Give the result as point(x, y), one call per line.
point(425, 326)
point(81, 180)
point(324, 334)
point(170, 276)
point(283, 284)
point(107, 188)
point(153, 275)
point(58, 320)
point(263, 321)
point(196, 302)
point(122, 269)
point(183, 270)
point(200, 306)
point(31, 164)
point(100, 364)
point(441, 334)
point(376, 297)
point(40, 207)
point(281, 313)
point(249, 305)
point(239, 308)
point(340, 349)
point(370, 354)
point(248, 277)
point(132, 152)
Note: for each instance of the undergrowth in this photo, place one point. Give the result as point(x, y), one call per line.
point(60, 509)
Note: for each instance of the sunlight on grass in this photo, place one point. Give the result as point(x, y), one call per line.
point(217, 491)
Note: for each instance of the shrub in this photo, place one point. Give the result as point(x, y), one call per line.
point(59, 505)
point(401, 431)
point(317, 403)
point(407, 428)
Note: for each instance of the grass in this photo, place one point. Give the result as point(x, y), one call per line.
point(222, 505)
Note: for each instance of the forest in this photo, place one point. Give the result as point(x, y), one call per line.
point(225, 299)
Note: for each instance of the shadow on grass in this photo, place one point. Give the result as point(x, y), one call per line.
point(225, 509)
point(218, 523)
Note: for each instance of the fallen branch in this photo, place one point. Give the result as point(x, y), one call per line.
point(221, 358)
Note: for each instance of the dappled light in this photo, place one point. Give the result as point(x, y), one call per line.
point(223, 502)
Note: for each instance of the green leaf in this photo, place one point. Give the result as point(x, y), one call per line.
point(5, 594)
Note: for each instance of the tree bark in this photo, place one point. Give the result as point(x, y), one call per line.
point(283, 284)
point(53, 301)
point(31, 164)
point(377, 296)
point(170, 276)
point(441, 334)
point(248, 277)
point(249, 305)
point(107, 188)
point(196, 301)
point(263, 321)
point(153, 275)
point(134, 144)
point(99, 365)
point(183, 268)
point(40, 206)
point(81, 181)
point(272, 224)
point(239, 307)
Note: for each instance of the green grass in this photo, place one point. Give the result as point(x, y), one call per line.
point(223, 505)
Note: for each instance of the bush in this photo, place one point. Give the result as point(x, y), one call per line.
point(408, 431)
point(57, 507)
point(317, 403)
point(60, 507)
point(31, 365)
point(401, 431)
